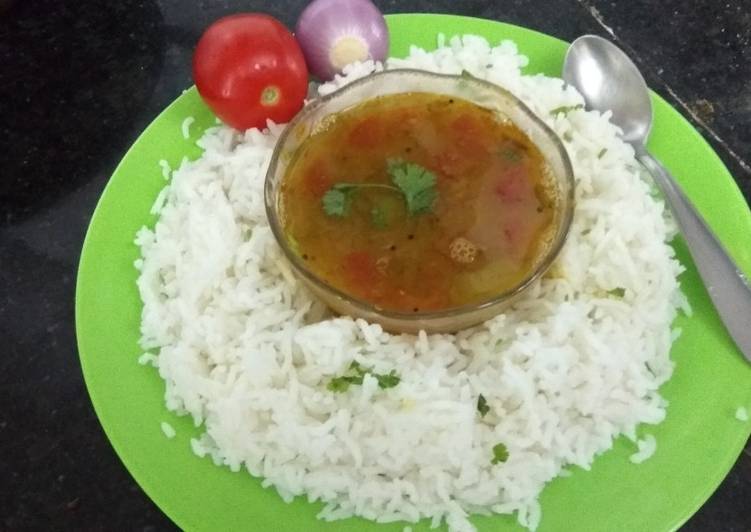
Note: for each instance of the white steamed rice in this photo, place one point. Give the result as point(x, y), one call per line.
point(646, 449)
point(247, 352)
point(168, 430)
point(185, 127)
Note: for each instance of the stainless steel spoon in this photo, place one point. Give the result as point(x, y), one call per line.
point(608, 79)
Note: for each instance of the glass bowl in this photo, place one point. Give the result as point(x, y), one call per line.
point(505, 105)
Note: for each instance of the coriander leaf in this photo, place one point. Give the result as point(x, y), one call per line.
point(500, 454)
point(388, 381)
point(355, 375)
point(355, 379)
point(357, 368)
point(602, 152)
point(336, 202)
point(466, 75)
point(617, 292)
point(341, 384)
point(338, 384)
point(337, 199)
point(422, 201)
point(416, 183)
point(566, 109)
point(482, 406)
point(378, 218)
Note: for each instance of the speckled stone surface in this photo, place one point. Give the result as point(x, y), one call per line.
point(80, 80)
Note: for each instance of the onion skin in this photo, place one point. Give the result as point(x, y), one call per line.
point(324, 23)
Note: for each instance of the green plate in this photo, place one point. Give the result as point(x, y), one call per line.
point(697, 443)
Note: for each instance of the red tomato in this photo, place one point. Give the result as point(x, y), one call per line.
point(248, 67)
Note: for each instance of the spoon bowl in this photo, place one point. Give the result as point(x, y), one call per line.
point(608, 80)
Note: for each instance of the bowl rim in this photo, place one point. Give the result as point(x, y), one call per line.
point(367, 307)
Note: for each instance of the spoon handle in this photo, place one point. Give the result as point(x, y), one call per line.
point(726, 284)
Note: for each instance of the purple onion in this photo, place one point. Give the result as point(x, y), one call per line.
point(333, 33)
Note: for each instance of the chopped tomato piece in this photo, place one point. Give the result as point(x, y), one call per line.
point(513, 185)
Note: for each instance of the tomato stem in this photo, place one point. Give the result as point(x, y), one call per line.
point(270, 95)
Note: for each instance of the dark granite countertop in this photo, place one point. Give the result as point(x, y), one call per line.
point(80, 80)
